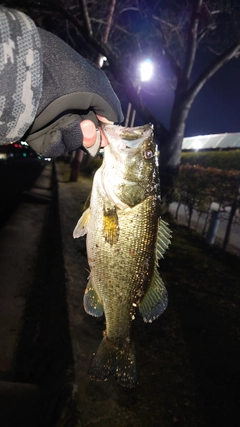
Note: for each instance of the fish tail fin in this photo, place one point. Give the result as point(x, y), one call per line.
point(112, 361)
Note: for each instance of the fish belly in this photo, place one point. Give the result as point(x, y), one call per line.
point(122, 271)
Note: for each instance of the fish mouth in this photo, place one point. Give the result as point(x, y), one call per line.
point(126, 137)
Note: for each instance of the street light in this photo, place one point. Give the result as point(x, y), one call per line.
point(146, 70)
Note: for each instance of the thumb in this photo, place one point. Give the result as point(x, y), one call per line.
point(89, 133)
point(91, 137)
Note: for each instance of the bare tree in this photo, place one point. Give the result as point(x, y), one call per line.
point(179, 30)
point(202, 25)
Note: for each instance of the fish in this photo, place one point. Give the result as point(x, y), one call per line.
point(125, 238)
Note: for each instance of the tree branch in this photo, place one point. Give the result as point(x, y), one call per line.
point(170, 57)
point(107, 30)
point(109, 21)
point(232, 52)
point(122, 76)
point(192, 41)
point(86, 17)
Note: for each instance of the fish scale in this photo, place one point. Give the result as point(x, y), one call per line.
point(125, 239)
point(114, 266)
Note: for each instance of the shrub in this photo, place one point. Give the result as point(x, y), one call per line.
point(225, 159)
point(197, 187)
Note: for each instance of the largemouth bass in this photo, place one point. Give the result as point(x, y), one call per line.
point(125, 239)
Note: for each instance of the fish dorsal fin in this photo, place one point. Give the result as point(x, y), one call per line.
point(110, 225)
point(81, 227)
point(91, 301)
point(155, 300)
point(163, 239)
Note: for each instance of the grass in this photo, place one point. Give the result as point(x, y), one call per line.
point(203, 284)
point(193, 258)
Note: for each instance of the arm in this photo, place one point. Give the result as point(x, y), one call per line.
point(20, 74)
point(73, 90)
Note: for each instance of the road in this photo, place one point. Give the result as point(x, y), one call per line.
point(16, 176)
point(23, 216)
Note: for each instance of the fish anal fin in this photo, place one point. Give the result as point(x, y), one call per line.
point(110, 225)
point(109, 360)
point(91, 301)
point(81, 227)
point(155, 300)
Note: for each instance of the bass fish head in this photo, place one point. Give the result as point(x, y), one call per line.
point(130, 165)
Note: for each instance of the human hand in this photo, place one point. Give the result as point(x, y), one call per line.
point(90, 137)
point(76, 95)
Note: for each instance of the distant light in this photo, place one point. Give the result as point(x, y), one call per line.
point(102, 60)
point(146, 70)
point(197, 144)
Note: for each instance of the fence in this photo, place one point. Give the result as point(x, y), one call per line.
point(199, 192)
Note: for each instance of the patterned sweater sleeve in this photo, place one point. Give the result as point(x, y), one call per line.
point(20, 74)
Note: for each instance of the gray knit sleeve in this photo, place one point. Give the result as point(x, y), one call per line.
point(20, 74)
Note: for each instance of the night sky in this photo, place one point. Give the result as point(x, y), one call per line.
point(216, 108)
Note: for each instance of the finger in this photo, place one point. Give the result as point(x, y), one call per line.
point(59, 137)
point(104, 140)
point(91, 137)
point(103, 119)
point(89, 133)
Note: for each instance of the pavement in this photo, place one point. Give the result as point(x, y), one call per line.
point(20, 239)
point(19, 246)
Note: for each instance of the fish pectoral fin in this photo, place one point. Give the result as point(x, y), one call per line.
point(81, 227)
point(155, 300)
point(163, 239)
point(110, 225)
point(87, 202)
point(91, 301)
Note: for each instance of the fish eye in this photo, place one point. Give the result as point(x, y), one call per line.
point(148, 154)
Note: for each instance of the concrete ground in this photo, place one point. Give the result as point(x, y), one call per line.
point(19, 246)
point(20, 241)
